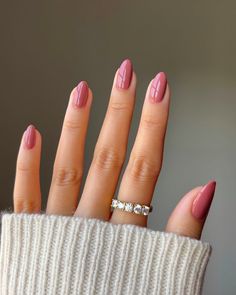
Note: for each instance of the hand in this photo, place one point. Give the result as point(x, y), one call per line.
point(141, 173)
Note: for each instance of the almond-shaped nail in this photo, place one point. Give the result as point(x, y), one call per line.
point(202, 203)
point(125, 73)
point(158, 87)
point(81, 95)
point(30, 137)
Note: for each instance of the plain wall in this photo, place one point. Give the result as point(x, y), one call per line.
point(48, 46)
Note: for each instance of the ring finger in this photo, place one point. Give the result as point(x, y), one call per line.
point(139, 179)
point(68, 165)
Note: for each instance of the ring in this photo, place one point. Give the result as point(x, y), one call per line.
point(131, 207)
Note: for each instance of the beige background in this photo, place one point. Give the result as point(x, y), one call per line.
point(47, 46)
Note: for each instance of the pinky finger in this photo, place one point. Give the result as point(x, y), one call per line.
point(27, 193)
point(189, 216)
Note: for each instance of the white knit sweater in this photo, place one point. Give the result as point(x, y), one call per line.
point(49, 254)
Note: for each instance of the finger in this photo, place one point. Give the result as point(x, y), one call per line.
point(110, 149)
point(27, 194)
point(69, 161)
point(189, 216)
point(145, 161)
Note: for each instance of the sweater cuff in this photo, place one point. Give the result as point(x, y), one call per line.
point(51, 254)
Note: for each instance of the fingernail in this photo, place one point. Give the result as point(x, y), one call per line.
point(81, 94)
point(158, 87)
point(30, 137)
point(124, 74)
point(202, 203)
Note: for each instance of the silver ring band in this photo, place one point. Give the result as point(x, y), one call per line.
point(131, 207)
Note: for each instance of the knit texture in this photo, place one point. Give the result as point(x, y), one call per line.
point(49, 254)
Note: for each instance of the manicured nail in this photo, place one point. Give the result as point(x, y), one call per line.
point(124, 74)
point(158, 87)
point(202, 203)
point(30, 137)
point(81, 95)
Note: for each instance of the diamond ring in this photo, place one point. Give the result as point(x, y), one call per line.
point(131, 207)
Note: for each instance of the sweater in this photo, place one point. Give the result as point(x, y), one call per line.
point(51, 254)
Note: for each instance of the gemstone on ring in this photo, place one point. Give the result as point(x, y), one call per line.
point(138, 209)
point(131, 207)
point(114, 203)
point(145, 210)
point(121, 205)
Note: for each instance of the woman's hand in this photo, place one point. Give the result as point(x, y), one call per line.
point(142, 171)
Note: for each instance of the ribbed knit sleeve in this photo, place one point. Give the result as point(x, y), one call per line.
point(49, 254)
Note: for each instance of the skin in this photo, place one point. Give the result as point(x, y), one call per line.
point(140, 176)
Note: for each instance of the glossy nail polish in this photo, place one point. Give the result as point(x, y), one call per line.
point(158, 87)
point(124, 76)
point(202, 203)
point(81, 95)
point(30, 137)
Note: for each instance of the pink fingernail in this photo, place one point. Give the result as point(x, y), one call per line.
point(81, 96)
point(30, 137)
point(202, 203)
point(124, 74)
point(158, 87)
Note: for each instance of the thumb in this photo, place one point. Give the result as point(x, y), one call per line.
point(189, 216)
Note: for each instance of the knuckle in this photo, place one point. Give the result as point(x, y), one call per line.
point(108, 159)
point(24, 167)
point(143, 169)
point(117, 106)
point(150, 122)
point(67, 176)
point(72, 125)
point(25, 205)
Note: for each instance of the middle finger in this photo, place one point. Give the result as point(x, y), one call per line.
point(110, 150)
